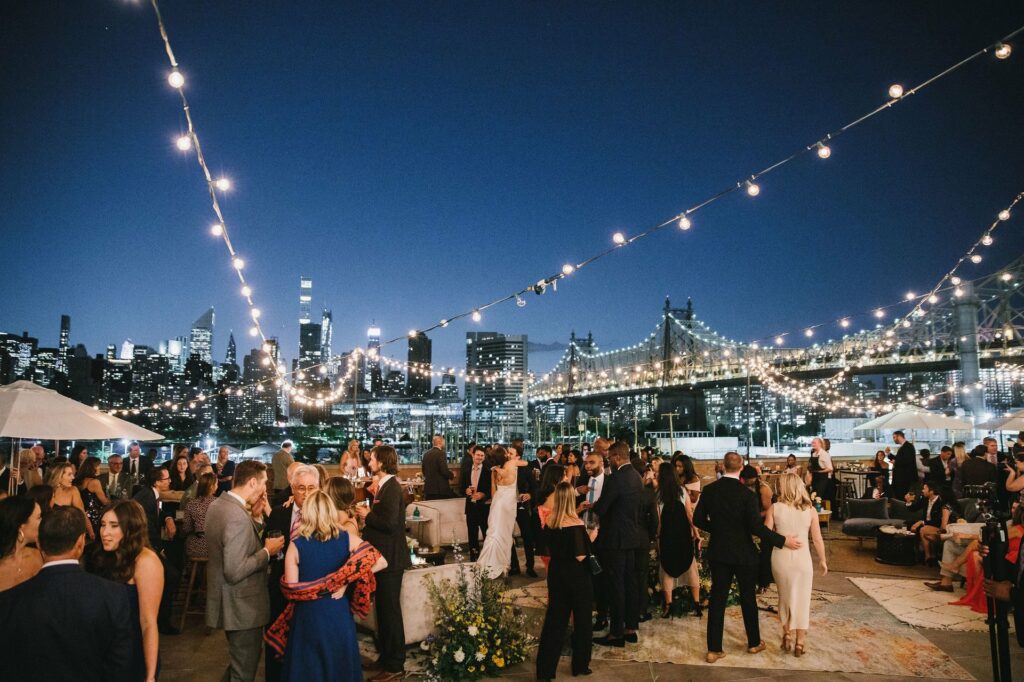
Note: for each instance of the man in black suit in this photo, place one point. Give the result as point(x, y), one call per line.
point(137, 465)
point(977, 470)
point(620, 537)
point(285, 519)
point(477, 481)
point(115, 482)
point(526, 513)
point(649, 524)
point(904, 468)
point(158, 480)
point(68, 624)
point(437, 477)
point(385, 530)
point(730, 512)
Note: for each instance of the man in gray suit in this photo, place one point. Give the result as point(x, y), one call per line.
point(236, 574)
point(115, 482)
point(282, 458)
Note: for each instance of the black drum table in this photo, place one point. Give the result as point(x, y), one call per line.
point(895, 546)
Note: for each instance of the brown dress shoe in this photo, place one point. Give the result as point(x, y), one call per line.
point(939, 587)
point(757, 649)
point(714, 656)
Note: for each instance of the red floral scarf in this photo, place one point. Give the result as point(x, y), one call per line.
point(357, 570)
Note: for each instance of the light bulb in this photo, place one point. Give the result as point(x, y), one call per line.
point(256, 313)
point(412, 333)
point(955, 280)
point(896, 91)
point(910, 296)
point(824, 151)
point(808, 333)
point(879, 313)
point(1003, 51)
point(567, 269)
point(844, 323)
point(443, 323)
point(253, 331)
point(1006, 277)
point(958, 292)
point(184, 143)
point(238, 263)
point(778, 340)
point(684, 223)
point(223, 184)
point(752, 189)
point(176, 79)
point(247, 292)
point(216, 229)
point(520, 301)
point(1004, 214)
point(619, 238)
point(476, 316)
point(933, 299)
point(986, 240)
point(976, 258)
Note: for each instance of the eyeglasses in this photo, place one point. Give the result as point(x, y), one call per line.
point(305, 489)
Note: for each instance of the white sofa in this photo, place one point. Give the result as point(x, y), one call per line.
point(417, 611)
point(446, 517)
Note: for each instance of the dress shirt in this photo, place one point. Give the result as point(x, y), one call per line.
point(112, 481)
point(931, 503)
point(731, 474)
point(60, 562)
point(383, 480)
point(133, 466)
point(475, 476)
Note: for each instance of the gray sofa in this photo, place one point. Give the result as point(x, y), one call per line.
point(864, 517)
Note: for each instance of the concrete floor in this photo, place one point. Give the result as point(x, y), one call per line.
point(198, 655)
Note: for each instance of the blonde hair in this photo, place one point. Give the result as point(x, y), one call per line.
point(793, 492)
point(53, 478)
point(319, 518)
point(564, 505)
point(960, 452)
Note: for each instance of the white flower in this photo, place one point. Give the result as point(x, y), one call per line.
point(425, 645)
point(459, 656)
point(473, 632)
point(480, 656)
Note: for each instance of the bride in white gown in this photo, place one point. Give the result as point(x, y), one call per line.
point(496, 554)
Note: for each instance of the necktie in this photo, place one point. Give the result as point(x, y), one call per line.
point(590, 500)
point(476, 476)
point(135, 467)
point(294, 533)
point(113, 484)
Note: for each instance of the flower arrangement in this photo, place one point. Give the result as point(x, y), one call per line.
point(411, 543)
point(476, 634)
point(816, 500)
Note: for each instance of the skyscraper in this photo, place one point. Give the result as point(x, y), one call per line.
point(372, 380)
point(309, 345)
point(232, 354)
point(419, 357)
point(496, 367)
point(64, 347)
point(201, 339)
point(305, 300)
point(326, 334)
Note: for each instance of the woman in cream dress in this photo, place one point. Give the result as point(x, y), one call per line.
point(496, 554)
point(794, 515)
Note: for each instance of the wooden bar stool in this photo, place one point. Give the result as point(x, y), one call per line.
point(198, 565)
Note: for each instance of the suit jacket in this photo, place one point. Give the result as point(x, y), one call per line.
point(69, 625)
point(385, 526)
point(904, 468)
point(649, 512)
point(436, 474)
point(526, 484)
point(937, 472)
point(731, 512)
point(147, 498)
point(483, 486)
point(280, 496)
point(976, 471)
point(280, 519)
point(282, 458)
point(618, 509)
point(236, 572)
point(145, 464)
point(921, 505)
point(123, 490)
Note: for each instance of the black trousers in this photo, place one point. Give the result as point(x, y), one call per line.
point(476, 524)
point(390, 627)
point(569, 592)
point(524, 519)
point(642, 561)
point(764, 568)
point(623, 609)
point(172, 576)
point(721, 580)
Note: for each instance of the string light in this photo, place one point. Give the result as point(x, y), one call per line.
point(568, 269)
point(183, 143)
point(752, 188)
point(1003, 51)
point(824, 151)
point(896, 91)
point(217, 230)
point(1004, 215)
point(976, 258)
point(223, 184)
point(176, 80)
point(684, 222)
point(986, 240)
point(238, 263)
point(477, 316)
point(619, 238)
point(910, 296)
point(246, 291)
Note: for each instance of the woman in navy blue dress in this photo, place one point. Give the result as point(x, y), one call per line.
point(322, 642)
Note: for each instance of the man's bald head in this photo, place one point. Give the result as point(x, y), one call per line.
point(601, 444)
point(618, 454)
point(732, 462)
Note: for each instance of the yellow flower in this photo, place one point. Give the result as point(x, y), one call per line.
point(500, 662)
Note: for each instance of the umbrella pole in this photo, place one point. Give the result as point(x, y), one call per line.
point(12, 480)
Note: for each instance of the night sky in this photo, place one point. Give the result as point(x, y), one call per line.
point(418, 158)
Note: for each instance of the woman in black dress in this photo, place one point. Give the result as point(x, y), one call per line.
point(676, 539)
point(570, 588)
point(94, 499)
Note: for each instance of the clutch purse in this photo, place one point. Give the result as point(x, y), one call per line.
point(595, 565)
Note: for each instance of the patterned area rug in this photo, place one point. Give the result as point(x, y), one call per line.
point(914, 604)
point(846, 635)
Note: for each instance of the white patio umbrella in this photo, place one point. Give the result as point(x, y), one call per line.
point(914, 419)
point(31, 411)
point(1011, 422)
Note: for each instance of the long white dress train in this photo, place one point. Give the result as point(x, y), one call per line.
point(496, 554)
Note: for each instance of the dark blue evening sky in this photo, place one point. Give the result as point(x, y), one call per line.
point(418, 158)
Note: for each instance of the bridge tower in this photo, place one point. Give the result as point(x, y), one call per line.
point(573, 361)
point(965, 326)
point(666, 344)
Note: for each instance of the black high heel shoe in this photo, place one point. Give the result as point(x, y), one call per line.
point(582, 673)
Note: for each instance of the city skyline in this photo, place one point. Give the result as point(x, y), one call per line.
point(378, 194)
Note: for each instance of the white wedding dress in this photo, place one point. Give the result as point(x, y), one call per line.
point(496, 554)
